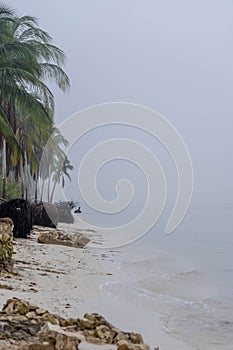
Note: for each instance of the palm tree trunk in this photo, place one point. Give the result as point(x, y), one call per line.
point(26, 183)
point(52, 193)
point(49, 184)
point(22, 179)
point(42, 189)
point(4, 169)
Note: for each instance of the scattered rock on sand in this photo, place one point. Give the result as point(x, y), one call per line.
point(25, 326)
point(76, 240)
point(6, 244)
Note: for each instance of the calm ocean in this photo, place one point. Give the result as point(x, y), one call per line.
point(187, 277)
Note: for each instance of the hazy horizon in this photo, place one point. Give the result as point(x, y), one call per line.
point(174, 57)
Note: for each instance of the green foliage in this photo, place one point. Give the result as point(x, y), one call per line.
point(28, 61)
point(13, 189)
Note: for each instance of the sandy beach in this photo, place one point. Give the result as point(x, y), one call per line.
point(70, 281)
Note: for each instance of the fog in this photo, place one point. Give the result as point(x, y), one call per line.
point(173, 56)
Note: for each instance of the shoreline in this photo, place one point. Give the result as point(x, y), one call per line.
point(72, 281)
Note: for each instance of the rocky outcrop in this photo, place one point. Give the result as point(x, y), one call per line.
point(6, 244)
point(76, 240)
point(27, 327)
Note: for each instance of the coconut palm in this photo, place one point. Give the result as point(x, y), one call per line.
point(53, 144)
point(60, 172)
point(28, 59)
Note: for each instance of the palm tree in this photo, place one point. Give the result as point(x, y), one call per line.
point(27, 59)
point(31, 139)
point(51, 150)
point(6, 15)
point(60, 171)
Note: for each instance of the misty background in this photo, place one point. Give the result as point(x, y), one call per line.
point(173, 56)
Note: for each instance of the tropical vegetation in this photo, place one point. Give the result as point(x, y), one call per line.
point(29, 61)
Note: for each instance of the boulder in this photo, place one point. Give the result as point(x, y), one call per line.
point(6, 244)
point(76, 240)
point(58, 338)
point(30, 327)
point(124, 345)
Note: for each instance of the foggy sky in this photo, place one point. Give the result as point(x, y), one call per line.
point(175, 56)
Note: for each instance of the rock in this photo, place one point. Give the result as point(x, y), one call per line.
point(135, 338)
point(31, 314)
point(85, 323)
point(40, 311)
point(98, 320)
point(76, 240)
point(70, 322)
point(15, 306)
point(32, 307)
point(39, 346)
point(6, 244)
point(105, 333)
point(28, 326)
point(124, 345)
point(59, 338)
point(53, 320)
point(121, 336)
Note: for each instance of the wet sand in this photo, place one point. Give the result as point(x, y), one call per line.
point(70, 281)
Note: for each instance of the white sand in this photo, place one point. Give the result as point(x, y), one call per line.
point(68, 281)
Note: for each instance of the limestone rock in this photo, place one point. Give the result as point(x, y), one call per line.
point(40, 311)
point(124, 345)
point(104, 332)
point(33, 328)
point(60, 339)
point(76, 240)
point(85, 323)
point(121, 336)
point(15, 306)
point(136, 338)
point(6, 244)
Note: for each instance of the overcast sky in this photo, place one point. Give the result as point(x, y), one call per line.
point(175, 56)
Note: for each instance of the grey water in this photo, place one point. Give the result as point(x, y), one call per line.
point(187, 277)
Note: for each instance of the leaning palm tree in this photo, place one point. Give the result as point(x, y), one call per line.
point(28, 59)
point(60, 172)
point(31, 138)
point(50, 154)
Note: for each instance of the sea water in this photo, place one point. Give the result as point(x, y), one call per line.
point(186, 277)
